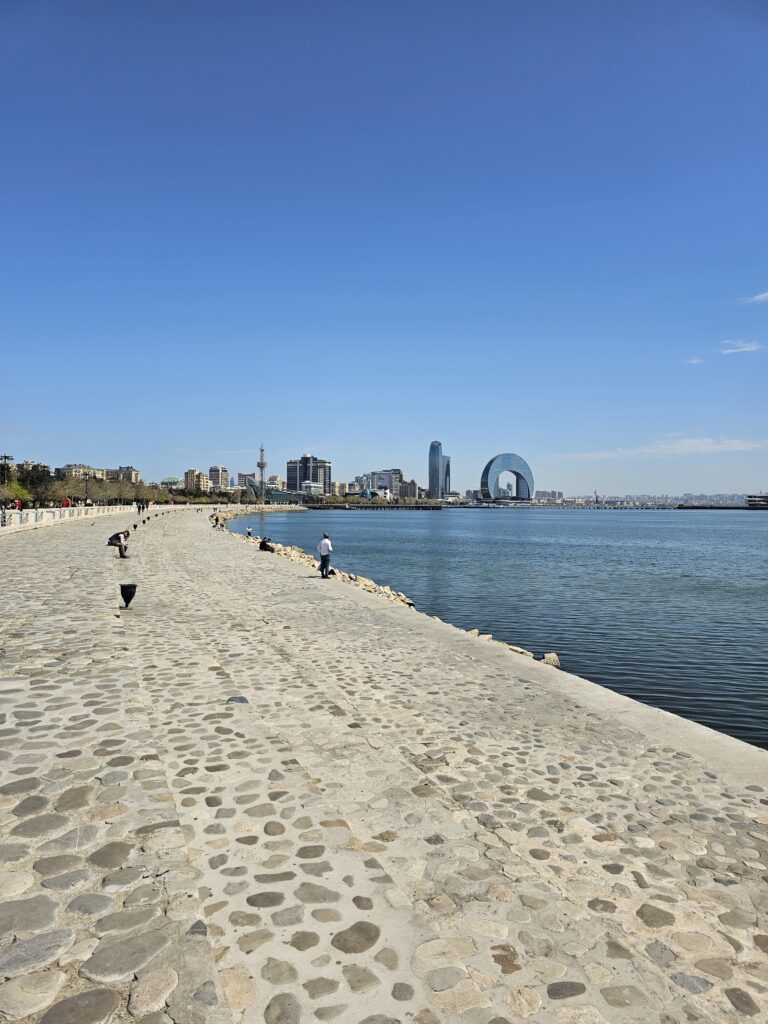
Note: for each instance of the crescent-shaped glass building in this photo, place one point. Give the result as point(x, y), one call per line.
point(507, 463)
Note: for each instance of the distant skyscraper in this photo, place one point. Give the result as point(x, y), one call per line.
point(439, 471)
point(308, 468)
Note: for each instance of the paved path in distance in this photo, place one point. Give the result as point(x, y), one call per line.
point(258, 796)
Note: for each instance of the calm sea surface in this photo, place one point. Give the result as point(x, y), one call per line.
point(670, 608)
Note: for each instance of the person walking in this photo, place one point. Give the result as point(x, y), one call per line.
point(324, 549)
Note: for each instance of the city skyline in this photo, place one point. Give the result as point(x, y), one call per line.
point(547, 229)
point(583, 490)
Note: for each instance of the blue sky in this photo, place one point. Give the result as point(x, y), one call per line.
point(352, 228)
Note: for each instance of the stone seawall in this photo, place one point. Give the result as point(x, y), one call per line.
point(256, 798)
point(302, 557)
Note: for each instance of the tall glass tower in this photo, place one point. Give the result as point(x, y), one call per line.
point(439, 471)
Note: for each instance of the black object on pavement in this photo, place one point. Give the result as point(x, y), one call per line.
point(127, 592)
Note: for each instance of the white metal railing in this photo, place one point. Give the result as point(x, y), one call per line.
point(12, 520)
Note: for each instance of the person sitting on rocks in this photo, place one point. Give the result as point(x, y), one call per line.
point(120, 540)
point(266, 545)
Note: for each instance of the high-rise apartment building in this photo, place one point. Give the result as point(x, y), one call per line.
point(244, 479)
point(387, 480)
point(308, 468)
point(219, 476)
point(196, 482)
point(439, 471)
point(409, 489)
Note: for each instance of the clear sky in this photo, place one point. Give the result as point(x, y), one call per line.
point(352, 227)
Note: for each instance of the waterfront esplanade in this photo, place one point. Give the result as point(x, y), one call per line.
point(507, 463)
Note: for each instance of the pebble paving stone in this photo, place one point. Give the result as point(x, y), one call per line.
point(256, 798)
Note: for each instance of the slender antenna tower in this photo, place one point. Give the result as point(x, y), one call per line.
point(5, 461)
point(262, 465)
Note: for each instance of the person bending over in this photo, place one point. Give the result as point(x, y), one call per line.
point(120, 541)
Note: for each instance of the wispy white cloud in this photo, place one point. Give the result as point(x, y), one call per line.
point(694, 361)
point(760, 297)
point(734, 345)
point(675, 445)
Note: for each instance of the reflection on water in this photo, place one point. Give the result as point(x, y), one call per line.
point(667, 607)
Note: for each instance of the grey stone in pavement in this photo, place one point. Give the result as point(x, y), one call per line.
point(27, 915)
point(115, 962)
point(29, 994)
point(28, 955)
point(97, 1006)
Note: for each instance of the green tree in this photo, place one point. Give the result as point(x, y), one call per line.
point(36, 479)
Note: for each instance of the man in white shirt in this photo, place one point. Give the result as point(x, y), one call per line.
point(324, 549)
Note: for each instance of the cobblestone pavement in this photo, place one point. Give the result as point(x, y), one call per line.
point(258, 796)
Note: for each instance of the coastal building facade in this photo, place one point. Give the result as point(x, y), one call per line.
point(219, 476)
point(124, 474)
point(386, 480)
point(196, 482)
point(79, 471)
point(308, 468)
point(507, 462)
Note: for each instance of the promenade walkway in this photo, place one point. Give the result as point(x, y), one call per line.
point(257, 796)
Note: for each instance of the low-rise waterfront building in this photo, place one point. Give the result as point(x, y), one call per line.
point(79, 471)
point(124, 474)
point(310, 487)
